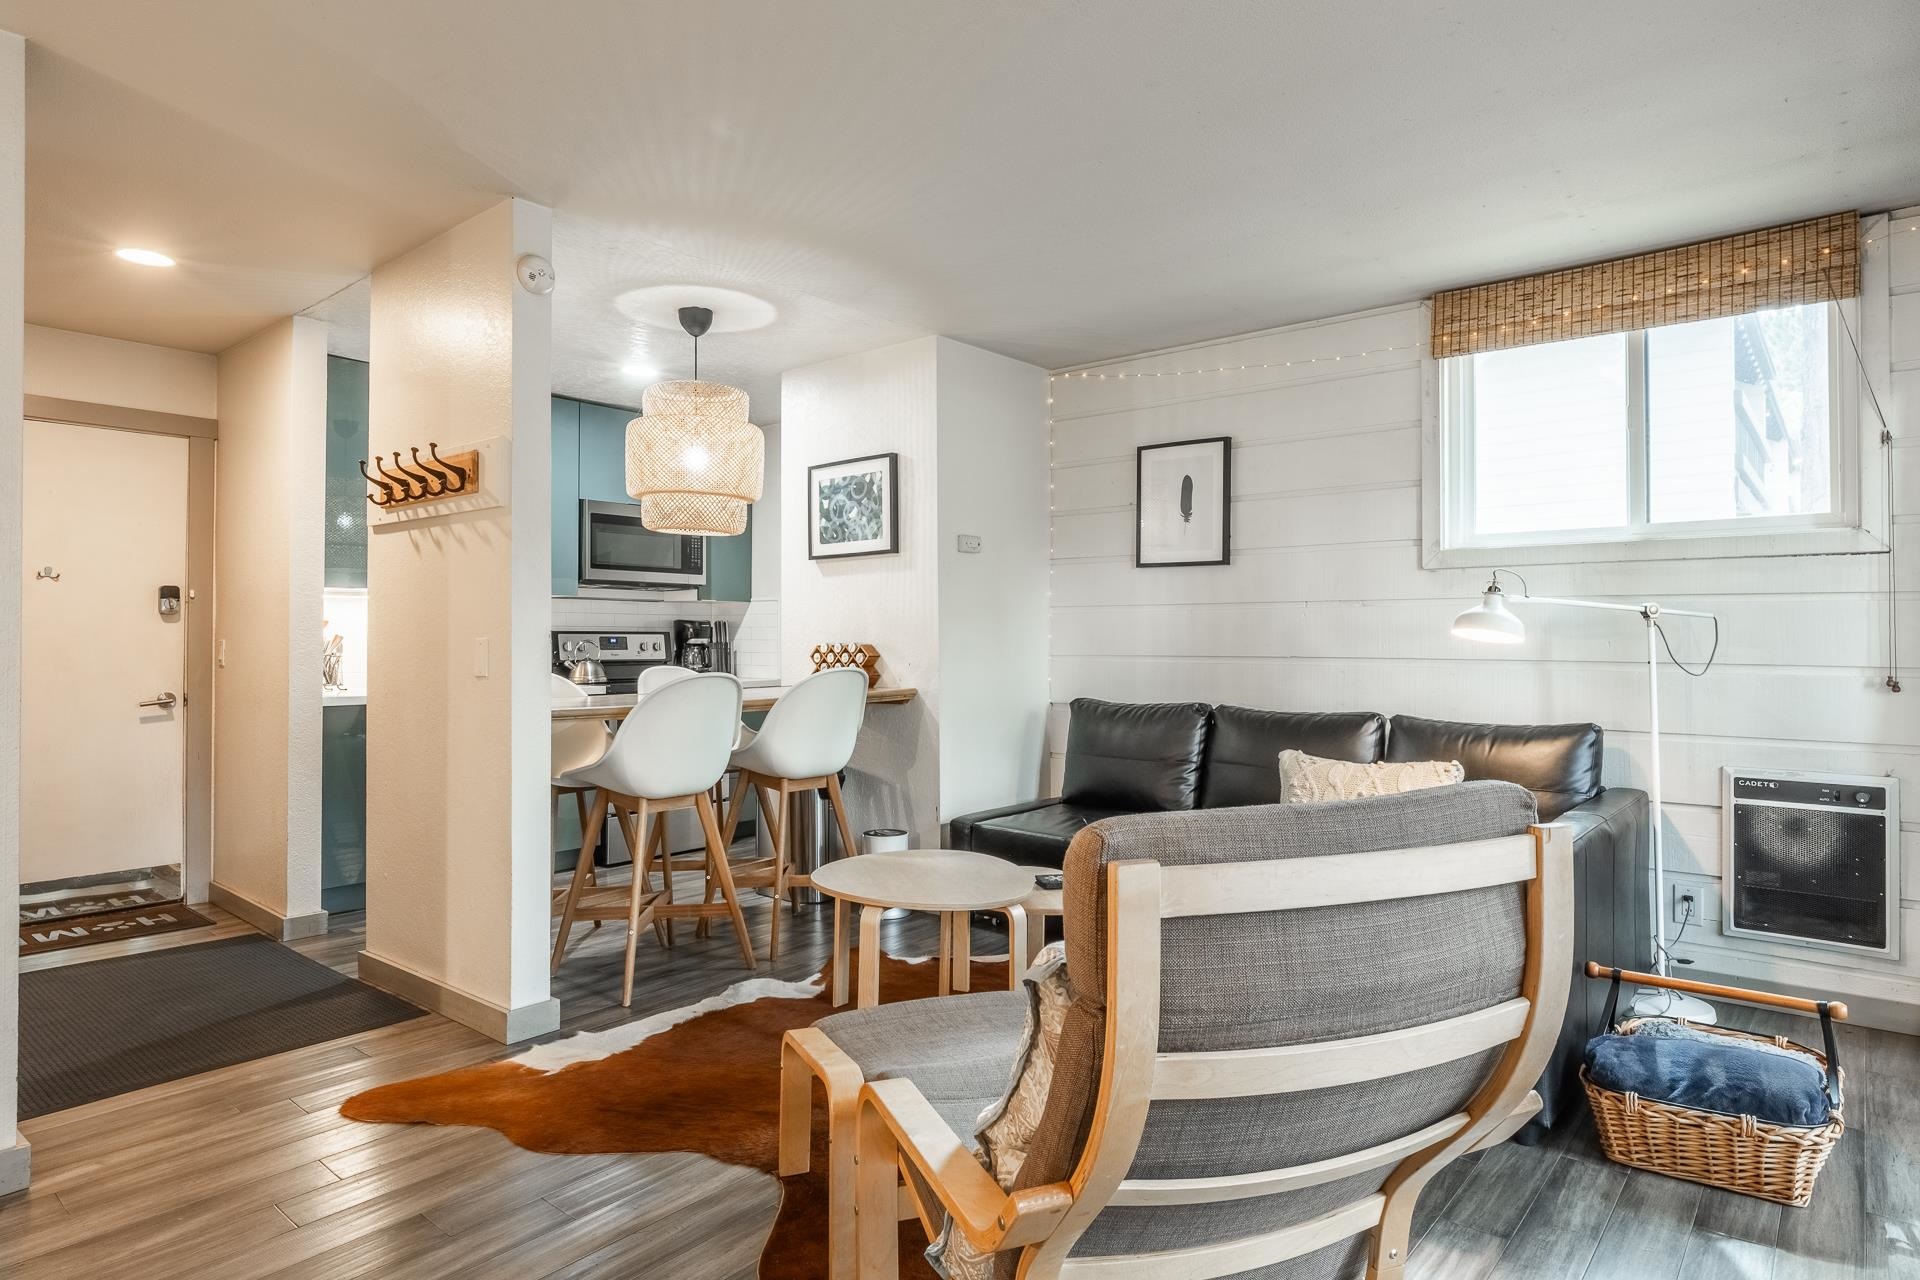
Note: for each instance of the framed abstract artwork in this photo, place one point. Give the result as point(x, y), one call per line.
point(1183, 503)
point(853, 507)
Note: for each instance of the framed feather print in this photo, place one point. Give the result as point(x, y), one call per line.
point(1183, 503)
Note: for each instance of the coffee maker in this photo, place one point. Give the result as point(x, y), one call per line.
point(693, 644)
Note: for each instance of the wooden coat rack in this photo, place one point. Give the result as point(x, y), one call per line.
point(429, 479)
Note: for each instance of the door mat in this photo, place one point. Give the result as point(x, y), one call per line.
point(107, 1027)
point(81, 931)
point(48, 908)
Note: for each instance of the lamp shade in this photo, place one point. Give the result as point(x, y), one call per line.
point(1490, 622)
point(694, 462)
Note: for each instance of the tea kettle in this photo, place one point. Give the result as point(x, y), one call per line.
point(586, 671)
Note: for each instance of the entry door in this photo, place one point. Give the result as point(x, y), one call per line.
point(102, 777)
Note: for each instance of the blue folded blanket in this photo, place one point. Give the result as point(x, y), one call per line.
point(1712, 1074)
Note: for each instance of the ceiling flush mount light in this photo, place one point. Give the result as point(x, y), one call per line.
point(143, 257)
point(694, 462)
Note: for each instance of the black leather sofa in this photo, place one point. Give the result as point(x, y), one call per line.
point(1149, 757)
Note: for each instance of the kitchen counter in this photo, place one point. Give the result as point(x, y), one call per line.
point(761, 695)
point(343, 698)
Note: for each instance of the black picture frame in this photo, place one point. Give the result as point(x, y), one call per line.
point(1216, 488)
point(890, 507)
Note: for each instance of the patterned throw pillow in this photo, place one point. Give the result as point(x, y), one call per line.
point(1305, 778)
point(1006, 1128)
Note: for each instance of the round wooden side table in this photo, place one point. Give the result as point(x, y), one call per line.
point(951, 883)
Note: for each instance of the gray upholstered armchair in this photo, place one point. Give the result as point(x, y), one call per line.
point(1283, 1021)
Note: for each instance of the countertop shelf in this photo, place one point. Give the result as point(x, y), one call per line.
point(760, 697)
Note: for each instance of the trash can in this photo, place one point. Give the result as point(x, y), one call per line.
point(883, 840)
point(812, 838)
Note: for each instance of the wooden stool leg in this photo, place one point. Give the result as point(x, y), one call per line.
point(1018, 949)
point(637, 893)
point(581, 870)
point(779, 835)
point(719, 869)
point(962, 928)
point(662, 857)
point(870, 918)
point(580, 805)
point(746, 787)
point(944, 961)
point(847, 846)
point(842, 953)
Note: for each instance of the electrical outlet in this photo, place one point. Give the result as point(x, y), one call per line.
point(970, 544)
point(1684, 894)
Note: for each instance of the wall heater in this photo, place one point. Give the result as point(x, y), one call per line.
point(1812, 858)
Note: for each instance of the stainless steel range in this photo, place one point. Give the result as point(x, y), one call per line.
point(620, 655)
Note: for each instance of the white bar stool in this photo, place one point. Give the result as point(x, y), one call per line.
point(668, 754)
point(577, 743)
point(806, 741)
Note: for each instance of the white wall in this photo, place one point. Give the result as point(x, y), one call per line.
point(269, 574)
point(1326, 605)
point(81, 366)
point(881, 401)
point(458, 859)
point(13, 114)
point(963, 630)
point(993, 603)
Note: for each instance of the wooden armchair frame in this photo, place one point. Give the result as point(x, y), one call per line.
point(899, 1131)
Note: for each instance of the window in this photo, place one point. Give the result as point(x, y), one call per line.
point(1722, 426)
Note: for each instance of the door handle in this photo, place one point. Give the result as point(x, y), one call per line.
point(164, 700)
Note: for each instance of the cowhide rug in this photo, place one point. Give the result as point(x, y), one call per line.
point(704, 1079)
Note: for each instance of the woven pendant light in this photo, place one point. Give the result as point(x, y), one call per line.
point(694, 461)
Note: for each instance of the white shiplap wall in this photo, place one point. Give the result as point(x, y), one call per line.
point(1326, 605)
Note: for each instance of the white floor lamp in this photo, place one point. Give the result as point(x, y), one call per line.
point(1492, 622)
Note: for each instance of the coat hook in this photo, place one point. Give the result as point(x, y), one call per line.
point(46, 571)
point(415, 478)
point(403, 491)
point(436, 480)
point(385, 496)
point(461, 474)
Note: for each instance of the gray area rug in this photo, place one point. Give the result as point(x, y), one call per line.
point(106, 1027)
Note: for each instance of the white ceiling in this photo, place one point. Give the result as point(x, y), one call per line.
point(1059, 180)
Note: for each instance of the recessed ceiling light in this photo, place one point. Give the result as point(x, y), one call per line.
point(143, 257)
point(640, 369)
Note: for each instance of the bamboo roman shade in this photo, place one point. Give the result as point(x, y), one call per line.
point(1813, 261)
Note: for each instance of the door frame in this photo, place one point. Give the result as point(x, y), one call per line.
point(201, 434)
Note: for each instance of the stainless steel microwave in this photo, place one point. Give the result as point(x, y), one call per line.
point(616, 550)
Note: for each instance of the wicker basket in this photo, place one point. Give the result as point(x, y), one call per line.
point(1736, 1153)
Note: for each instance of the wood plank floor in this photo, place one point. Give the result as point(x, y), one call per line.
point(250, 1172)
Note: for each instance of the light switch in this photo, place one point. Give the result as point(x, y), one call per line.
point(970, 544)
point(220, 657)
point(480, 657)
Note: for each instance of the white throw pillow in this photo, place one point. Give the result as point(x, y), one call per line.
point(1006, 1128)
point(1305, 778)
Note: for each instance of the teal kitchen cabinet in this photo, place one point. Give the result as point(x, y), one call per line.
point(343, 808)
point(603, 453)
point(346, 532)
point(590, 462)
point(730, 566)
point(566, 496)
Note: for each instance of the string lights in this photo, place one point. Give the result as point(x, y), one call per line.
point(1240, 368)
